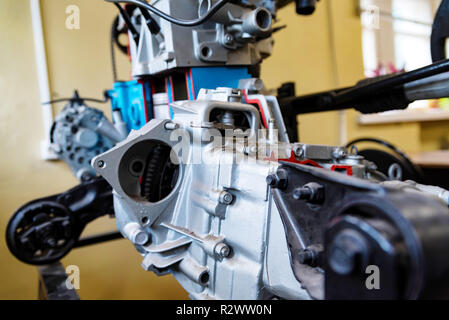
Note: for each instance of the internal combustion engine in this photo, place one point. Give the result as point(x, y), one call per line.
point(235, 213)
point(209, 187)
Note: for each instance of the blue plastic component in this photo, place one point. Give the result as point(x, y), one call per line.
point(214, 77)
point(135, 106)
point(133, 98)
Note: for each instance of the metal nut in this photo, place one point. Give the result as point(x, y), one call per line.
point(278, 179)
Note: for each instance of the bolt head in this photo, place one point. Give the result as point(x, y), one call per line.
point(278, 179)
point(281, 179)
point(101, 164)
point(226, 197)
point(298, 151)
point(271, 180)
point(141, 238)
point(228, 39)
point(223, 250)
point(348, 252)
point(311, 192)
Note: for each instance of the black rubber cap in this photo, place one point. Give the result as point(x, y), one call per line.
point(305, 7)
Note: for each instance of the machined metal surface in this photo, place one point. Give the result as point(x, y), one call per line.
point(236, 35)
point(219, 230)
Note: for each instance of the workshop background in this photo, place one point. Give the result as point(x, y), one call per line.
point(320, 52)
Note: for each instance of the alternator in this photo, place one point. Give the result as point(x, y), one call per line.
point(80, 133)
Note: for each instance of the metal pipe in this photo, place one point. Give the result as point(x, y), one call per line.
point(42, 74)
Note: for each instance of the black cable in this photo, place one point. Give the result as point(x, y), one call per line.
point(100, 238)
point(152, 25)
point(390, 146)
point(128, 22)
point(179, 22)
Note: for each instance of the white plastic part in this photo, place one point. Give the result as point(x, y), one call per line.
point(42, 75)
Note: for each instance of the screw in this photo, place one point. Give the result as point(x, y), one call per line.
point(304, 193)
point(101, 164)
point(222, 250)
point(311, 192)
point(278, 179)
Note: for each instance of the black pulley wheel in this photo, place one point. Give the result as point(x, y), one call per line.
point(41, 232)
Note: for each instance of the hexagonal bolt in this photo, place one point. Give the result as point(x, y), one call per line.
point(222, 250)
point(278, 180)
point(311, 192)
point(226, 198)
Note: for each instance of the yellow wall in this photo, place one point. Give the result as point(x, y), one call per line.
point(411, 137)
point(77, 59)
point(303, 53)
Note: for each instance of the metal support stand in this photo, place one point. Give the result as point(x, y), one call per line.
point(53, 283)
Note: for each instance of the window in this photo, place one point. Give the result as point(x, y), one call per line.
point(396, 36)
point(412, 27)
